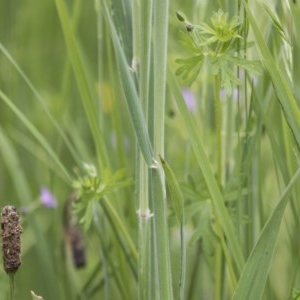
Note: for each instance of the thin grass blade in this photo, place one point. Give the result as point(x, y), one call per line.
point(283, 90)
point(82, 82)
point(177, 199)
point(40, 138)
point(255, 273)
point(217, 199)
point(38, 96)
point(132, 99)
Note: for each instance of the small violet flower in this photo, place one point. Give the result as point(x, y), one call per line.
point(189, 98)
point(47, 198)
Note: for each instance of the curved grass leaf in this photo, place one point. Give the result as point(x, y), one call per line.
point(210, 179)
point(254, 276)
point(283, 90)
point(36, 134)
point(132, 99)
point(38, 96)
point(276, 22)
point(179, 211)
point(82, 82)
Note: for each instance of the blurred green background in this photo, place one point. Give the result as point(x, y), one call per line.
point(30, 33)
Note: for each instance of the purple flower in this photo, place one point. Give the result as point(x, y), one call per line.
point(189, 98)
point(47, 198)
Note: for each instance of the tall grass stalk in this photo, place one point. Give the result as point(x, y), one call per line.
point(83, 84)
point(161, 235)
point(218, 119)
point(11, 286)
point(142, 30)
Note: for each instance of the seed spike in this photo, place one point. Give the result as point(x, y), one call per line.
point(11, 230)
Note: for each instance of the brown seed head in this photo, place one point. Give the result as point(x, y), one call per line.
point(77, 247)
point(73, 236)
point(11, 230)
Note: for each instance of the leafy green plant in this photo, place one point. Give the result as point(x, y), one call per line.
point(218, 44)
point(93, 187)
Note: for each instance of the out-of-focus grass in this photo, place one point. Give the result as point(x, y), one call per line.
point(260, 155)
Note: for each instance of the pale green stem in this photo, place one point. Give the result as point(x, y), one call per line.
point(142, 16)
point(218, 120)
point(12, 286)
point(218, 272)
point(161, 240)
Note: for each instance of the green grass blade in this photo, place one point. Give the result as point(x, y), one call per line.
point(71, 148)
point(217, 199)
point(123, 20)
point(9, 156)
point(40, 138)
point(82, 82)
point(118, 223)
point(276, 22)
point(174, 190)
point(160, 36)
point(283, 91)
point(160, 238)
point(142, 32)
point(132, 99)
point(177, 198)
point(157, 124)
point(254, 276)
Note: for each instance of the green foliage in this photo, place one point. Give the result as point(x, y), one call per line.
point(226, 165)
point(93, 187)
point(276, 22)
point(218, 43)
point(251, 284)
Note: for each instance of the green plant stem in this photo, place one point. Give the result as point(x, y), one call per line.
point(121, 228)
point(218, 272)
point(142, 16)
point(144, 33)
point(178, 204)
point(11, 285)
point(144, 255)
point(158, 189)
point(101, 58)
point(218, 121)
point(83, 84)
point(214, 189)
point(132, 100)
point(162, 251)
